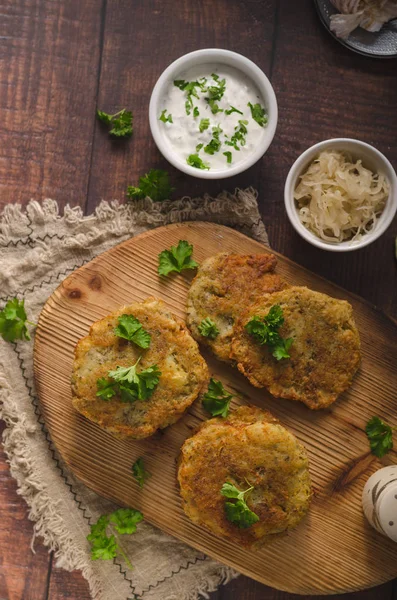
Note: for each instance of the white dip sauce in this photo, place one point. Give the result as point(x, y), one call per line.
point(239, 134)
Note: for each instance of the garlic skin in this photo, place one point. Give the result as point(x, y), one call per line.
point(367, 14)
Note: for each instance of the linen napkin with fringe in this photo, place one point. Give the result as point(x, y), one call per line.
point(39, 247)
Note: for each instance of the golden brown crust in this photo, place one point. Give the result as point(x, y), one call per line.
point(183, 371)
point(248, 447)
point(325, 353)
point(223, 287)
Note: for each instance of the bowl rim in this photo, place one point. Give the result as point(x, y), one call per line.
point(297, 168)
point(239, 62)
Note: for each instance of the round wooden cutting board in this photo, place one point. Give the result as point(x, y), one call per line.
point(334, 549)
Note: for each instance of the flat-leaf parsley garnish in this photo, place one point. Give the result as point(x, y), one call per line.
point(238, 512)
point(189, 87)
point(207, 328)
point(196, 112)
point(380, 436)
point(216, 400)
point(106, 547)
point(233, 109)
point(132, 330)
point(139, 472)
point(165, 118)
point(195, 161)
point(265, 331)
point(120, 122)
point(204, 124)
point(13, 321)
point(128, 383)
point(216, 92)
point(177, 258)
point(228, 156)
point(240, 131)
point(258, 113)
point(155, 185)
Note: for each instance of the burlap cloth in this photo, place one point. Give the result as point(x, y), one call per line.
point(38, 249)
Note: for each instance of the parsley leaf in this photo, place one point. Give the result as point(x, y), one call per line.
point(155, 185)
point(198, 147)
point(207, 328)
point(104, 547)
point(228, 156)
point(233, 109)
point(139, 472)
point(106, 389)
point(196, 112)
point(204, 124)
point(134, 385)
point(125, 520)
point(216, 400)
point(177, 258)
point(165, 118)
point(213, 146)
point(131, 329)
point(190, 88)
point(214, 106)
point(264, 331)
point(121, 122)
point(238, 512)
point(259, 114)
point(240, 131)
point(380, 436)
point(13, 321)
point(195, 161)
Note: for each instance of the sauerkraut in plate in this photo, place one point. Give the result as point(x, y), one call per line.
point(338, 199)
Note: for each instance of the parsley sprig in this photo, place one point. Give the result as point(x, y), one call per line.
point(106, 547)
point(216, 400)
point(120, 122)
point(128, 383)
point(13, 320)
point(207, 328)
point(258, 113)
point(177, 258)
point(380, 436)
point(233, 109)
point(216, 93)
point(155, 185)
point(195, 161)
point(139, 472)
point(132, 330)
point(240, 131)
point(238, 512)
point(265, 331)
point(189, 87)
point(165, 118)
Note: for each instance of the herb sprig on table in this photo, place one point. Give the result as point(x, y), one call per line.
point(177, 258)
point(106, 547)
point(155, 185)
point(380, 436)
point(238, 512)
point(216, 400)
point(120, 123)
point(265, 331)
point(13, 321)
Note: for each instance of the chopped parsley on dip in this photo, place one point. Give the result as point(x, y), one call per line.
point(218, 116)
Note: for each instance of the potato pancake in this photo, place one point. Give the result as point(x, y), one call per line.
point(250, 448)
point(172, 349)
point(324, 355)
point(223, 287)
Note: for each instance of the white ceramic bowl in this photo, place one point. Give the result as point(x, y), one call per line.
point(373, 159)
point(212, 55)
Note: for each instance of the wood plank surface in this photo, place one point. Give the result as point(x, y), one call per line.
point(50, 61)
point(334, 438)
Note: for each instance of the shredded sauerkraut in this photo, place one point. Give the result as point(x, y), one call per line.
point(338, 199)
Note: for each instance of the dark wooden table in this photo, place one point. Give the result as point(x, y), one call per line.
point(60, 59)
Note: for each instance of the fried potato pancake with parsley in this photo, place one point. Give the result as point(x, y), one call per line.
point(248, 448)
point(172, 349)
point(324, 355)
point(223, 287)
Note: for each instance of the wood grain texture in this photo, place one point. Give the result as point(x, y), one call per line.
point(315, 558)
point(49, 64)
point(134, 58)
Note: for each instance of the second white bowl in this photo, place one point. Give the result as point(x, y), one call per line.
point(372, 159)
